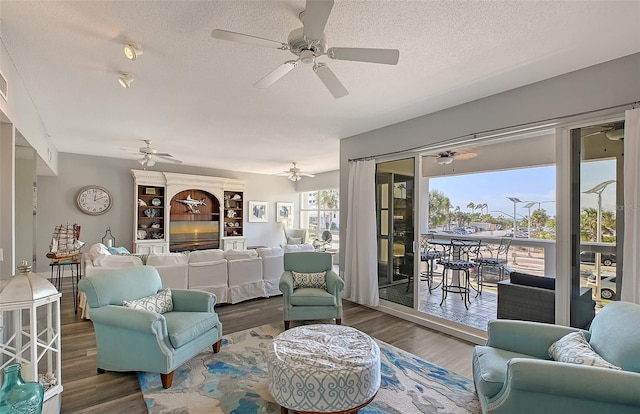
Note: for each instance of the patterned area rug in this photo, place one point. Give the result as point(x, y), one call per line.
point(234, 381)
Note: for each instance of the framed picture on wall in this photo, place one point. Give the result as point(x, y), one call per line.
point(258, 211)
point(284, 213)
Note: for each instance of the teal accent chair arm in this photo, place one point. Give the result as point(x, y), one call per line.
point(192, 300)
point(131, 319)
point(335, 284)
point(286, 283)
point(524, 337)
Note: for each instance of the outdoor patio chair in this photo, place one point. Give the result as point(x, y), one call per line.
point(497, 261)
point(429, 253)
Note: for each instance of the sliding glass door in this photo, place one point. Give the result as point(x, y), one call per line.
point(395, 216)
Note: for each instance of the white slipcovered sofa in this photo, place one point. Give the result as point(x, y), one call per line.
point(272, 268)
point(233, 275)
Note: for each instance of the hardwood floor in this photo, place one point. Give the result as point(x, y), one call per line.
point(87, 392)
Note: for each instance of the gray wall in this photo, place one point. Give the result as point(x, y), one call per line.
point(56, 200)
point(606, 85)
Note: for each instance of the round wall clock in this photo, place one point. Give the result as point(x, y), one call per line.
point(94, 200)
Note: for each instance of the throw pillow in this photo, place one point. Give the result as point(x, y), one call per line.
point(294, 240)
point(118, 250)
point(309, 280)
point(161, 302)
point(575, 349)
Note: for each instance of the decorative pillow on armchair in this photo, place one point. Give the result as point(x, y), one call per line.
point(575, 349)
point(309, 280)
point(161, 302)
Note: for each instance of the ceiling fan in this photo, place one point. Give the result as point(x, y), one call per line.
point(614, 132)
point(308, 43)
point(294, 173)
point(150, 155)
point(447, 157)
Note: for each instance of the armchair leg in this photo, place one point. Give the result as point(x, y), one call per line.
point(217, 346)
point(287, 324)
point(167, 380)
point(338, 321)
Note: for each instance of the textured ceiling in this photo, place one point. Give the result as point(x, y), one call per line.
point(193, 94)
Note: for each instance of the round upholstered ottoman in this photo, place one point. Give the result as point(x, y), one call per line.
point(323, 369)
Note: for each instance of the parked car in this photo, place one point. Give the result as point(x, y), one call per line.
point(607, 286)
point(606, 259)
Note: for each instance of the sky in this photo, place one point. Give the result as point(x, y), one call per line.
point(527, 184)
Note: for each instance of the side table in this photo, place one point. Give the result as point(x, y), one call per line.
point(57, 274)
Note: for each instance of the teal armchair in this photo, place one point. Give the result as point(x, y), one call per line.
point(131, 339)
point(513, 373)
point(311, 303)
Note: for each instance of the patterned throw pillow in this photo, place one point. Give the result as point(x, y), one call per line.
point(309, 280)
point(575, 349)
point(161, 302)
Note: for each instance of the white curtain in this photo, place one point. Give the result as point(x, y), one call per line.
point(631, 249)
point(361, 266)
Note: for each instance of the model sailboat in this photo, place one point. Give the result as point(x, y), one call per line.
point(66, 243)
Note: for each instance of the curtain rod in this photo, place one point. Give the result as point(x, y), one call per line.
point(505, 130)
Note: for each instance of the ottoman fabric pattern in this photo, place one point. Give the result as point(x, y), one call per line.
point(323, 368)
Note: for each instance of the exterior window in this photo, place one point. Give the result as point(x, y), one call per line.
point(319, 213)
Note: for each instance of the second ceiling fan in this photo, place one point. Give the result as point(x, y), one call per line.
point(308, 43)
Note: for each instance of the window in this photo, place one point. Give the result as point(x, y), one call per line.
point(319, 213)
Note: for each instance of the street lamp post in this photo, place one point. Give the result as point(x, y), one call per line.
point(598, 189)
point(528, 207)
point(515, 201)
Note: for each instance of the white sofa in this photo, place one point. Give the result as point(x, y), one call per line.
point(233, 275)
point(245, 275)
point(272, 268)
point(173, 269)
point(208, 271)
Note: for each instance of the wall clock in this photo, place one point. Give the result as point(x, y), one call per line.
point(94, 200)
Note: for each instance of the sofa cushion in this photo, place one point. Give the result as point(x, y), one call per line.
point(233, 254)
point(270, 252)
point(312, 297)
point(315, 280)
point(209, 255)
point(525, 279)
point(161, 302)
point(490, 366)
point(167, 259)
point(111, 260)
point(615, 335)
point(183, 327)
point(574, 348)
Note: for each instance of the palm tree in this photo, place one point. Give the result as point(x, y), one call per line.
point(471, 206)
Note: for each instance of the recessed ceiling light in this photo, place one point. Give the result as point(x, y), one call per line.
point(125, 80)
point(132, 51)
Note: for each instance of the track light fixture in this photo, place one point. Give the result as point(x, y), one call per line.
point(125, 80)
point(132, 51)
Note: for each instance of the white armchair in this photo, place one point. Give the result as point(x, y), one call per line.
point(245, 275)
point(173, 269)
point(272, 268)
point(296, 236)
point(208, 271)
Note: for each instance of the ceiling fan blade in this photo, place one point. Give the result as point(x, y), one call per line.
point(168, 158)
point(361, 54)
point(330, 80)
point(239, 37)
point(162, 154)
point(316, 14)
point(273, 76)
point(304, 174)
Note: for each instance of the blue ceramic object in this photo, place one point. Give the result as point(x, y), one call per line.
point(18, 396)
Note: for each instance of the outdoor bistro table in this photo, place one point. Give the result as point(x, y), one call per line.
point(455, 253)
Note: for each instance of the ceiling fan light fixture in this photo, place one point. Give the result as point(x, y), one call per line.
point(444, 160)
point(132, 51)
point(125, 80)
point(142, 161)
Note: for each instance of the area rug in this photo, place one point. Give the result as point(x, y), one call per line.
point(234, 381)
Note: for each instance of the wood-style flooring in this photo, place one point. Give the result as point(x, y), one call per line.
point(87, 392)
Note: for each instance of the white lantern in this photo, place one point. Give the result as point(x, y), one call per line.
point(30, 332)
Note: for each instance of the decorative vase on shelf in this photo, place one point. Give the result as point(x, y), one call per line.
point(18, 396)
point(226, 203)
